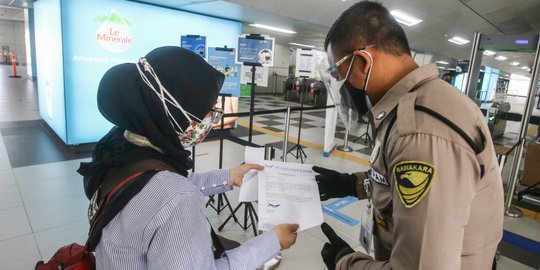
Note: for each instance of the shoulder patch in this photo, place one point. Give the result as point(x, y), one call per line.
point(413, 180)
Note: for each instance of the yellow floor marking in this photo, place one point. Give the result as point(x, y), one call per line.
point(314, 146)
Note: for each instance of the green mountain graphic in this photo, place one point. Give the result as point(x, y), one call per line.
point(114, 17)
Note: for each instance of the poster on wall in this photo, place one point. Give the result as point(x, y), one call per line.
point(222, 59)
point(261, 75)
point(305, 63)
point(194, 43)
point(255, 49)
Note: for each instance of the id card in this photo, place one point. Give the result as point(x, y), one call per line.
point(366, 230)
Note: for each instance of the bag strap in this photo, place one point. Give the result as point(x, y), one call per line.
point(115, 201)
point(118, 198)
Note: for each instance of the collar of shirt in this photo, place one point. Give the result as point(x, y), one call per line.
point(390, 100)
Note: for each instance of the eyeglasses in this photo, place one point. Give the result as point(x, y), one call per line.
point(333, 69)
point(215, 115)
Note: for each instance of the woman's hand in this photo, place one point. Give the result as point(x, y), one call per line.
point(236, 174)
point(286, 233)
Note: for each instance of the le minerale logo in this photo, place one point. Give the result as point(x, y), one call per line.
point(114, 34)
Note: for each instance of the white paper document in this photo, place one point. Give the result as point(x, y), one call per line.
point(288, 193)
point(250, 184)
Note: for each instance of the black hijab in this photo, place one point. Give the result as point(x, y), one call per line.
point(127, 102)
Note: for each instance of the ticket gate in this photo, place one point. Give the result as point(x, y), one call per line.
point(497, 118)
point(485, 48)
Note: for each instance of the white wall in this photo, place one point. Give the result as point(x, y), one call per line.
point(282, 60)
point(12, 35)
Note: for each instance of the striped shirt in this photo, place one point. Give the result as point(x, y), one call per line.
point(165, 227)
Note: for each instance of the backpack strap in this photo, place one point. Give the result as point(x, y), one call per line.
point(115, 201)
point(118, 198)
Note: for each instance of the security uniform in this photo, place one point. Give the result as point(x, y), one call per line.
point(436, 187)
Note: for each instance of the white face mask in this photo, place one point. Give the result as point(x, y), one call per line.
point(198, 129)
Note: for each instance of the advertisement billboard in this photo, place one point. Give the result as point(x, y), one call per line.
point(99, 34)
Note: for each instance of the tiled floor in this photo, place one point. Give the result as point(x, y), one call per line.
point(42, 205)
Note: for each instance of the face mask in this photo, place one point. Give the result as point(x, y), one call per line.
point(198, 129)
point(352, 103)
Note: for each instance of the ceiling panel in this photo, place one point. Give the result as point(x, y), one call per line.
point(442, 19)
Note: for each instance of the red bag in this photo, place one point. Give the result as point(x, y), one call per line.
point(70, 257)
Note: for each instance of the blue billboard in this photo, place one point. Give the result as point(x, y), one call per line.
point(99, 34)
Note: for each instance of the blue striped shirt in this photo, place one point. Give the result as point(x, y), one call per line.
point(165, 227)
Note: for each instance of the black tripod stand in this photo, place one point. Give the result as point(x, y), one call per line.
point(366, 137)
point(249, 210)
point(298, 147)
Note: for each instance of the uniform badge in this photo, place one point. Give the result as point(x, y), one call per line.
point(380, 116)
point(413, 180)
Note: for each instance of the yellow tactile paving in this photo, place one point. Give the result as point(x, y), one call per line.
point(314, 146)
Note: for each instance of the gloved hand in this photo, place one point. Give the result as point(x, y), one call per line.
point(337, 248)
point(333, 184)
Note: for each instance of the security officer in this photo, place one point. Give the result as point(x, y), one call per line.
point(434, 188)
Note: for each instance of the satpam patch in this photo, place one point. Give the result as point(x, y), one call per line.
point(413, 180)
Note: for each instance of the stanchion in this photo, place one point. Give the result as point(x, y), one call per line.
point(345, 147)
point(14, 65)
point(286, 135)
point(222, 200)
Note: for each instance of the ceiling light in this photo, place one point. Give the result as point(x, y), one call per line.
point(24, 4)
point(514, 64)
point(405, 18)
point(489, 53)
point(501, 58)
point(302, 45)
point(524, 67)
point(450, 69)
point(441, 62)
point(273, 28)
point(440, 67)
point(459, 40)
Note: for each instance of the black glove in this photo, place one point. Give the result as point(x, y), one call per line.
point(333, 184)
point(335, 250)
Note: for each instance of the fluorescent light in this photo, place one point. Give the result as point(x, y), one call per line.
point(459, 40)
point(273, 28)
point(524, 67)
point(441, 62)
point(514, 64)
point(440, 67)
point(501, 58)
point(405, 18)
point(302, 45)
point(489, 53)
point(450, 69)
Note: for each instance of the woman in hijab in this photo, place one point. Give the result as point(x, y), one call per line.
point(158, 107)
